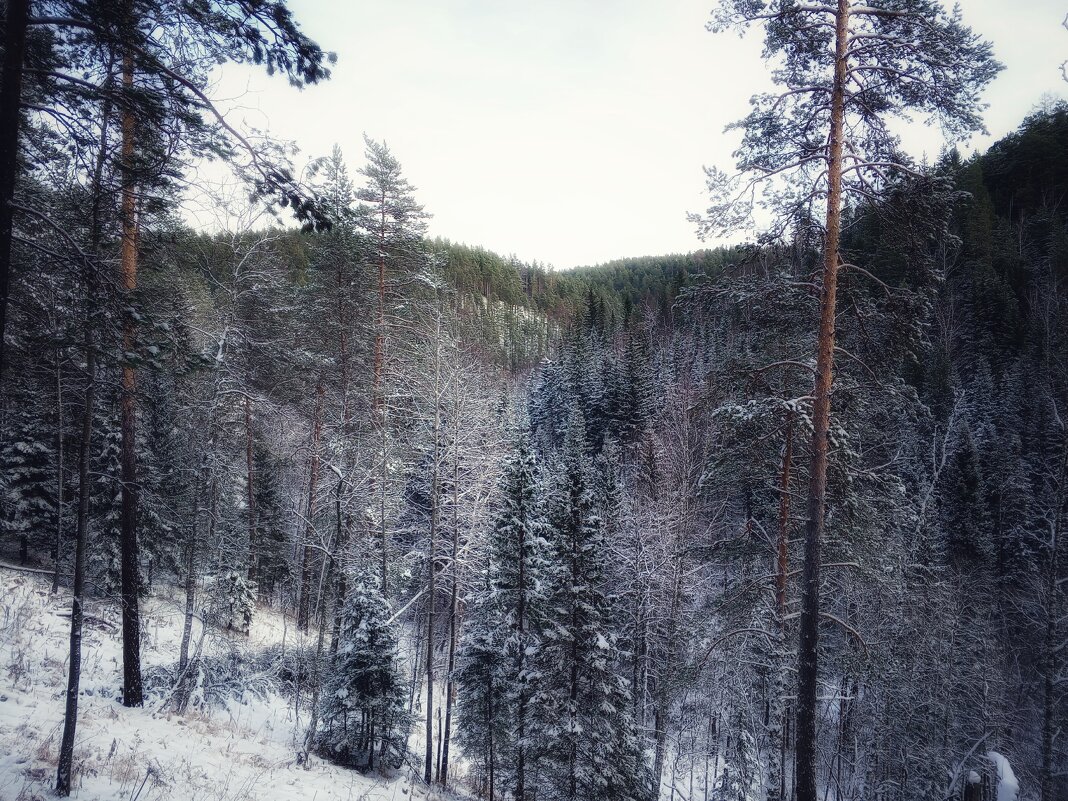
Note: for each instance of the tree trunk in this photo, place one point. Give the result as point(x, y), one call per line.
point(304, 606)
point(782, 563)
point(251, 481)
point(340, 585)
point(489, 728)
point(417, 666)
point(427, 774)
point(663, 690)
point(432, 555)
point(1050, 657)
point(384, 533)
point(131, 584)
point(327, 581)
point(639, 649)
point(378, 394)
point(454, 623)
point(521, 704)
point(808, 641)
point(343, 355)
point(182, 690)
point(18, 12)
point(572, 695)
point(70, 718)
point(380, 314)
point(59, 469)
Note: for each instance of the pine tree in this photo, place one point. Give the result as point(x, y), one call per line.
point(231, 601)
point(549, 395)
point(818, 145)
point(394, 223)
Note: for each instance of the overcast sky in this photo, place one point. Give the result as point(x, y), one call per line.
point(571, 131)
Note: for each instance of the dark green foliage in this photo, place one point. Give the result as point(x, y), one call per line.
point(105, 510)
point(231, 601)
point(964, 514)
point(271, 550)
point(363, 702)
point(627, 286)
point(27, 464)
point(499, 674)
point(485, 731)
point(590, 746)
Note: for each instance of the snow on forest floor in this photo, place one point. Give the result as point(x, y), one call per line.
point(244, 751)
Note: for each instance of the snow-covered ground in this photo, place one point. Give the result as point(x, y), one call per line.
point(243, 751)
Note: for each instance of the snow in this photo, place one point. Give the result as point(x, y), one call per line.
point(242, 751)
point(1008, 786)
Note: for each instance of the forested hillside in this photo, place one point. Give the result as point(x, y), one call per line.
point(458, 525)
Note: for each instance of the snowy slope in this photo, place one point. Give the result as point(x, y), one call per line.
point(243, 751)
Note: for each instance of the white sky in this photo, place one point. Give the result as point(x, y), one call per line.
point(571, 131)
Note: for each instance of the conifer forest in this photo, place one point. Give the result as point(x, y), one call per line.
point(309, 500)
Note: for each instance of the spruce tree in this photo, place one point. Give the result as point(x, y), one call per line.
point(104, 551)
point(584, 711)
point(484, 727)
point(271, 546)
point(363, 702)
point(28, 480)
point(499, 666)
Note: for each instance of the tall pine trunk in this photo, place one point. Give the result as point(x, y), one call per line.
point(808, 641)
point(304, 605)
point(251, 497)
point(343, 351)
point(15, 22)
point(378, 394)
point(383, 476)
point(492, 751)
point(380, 312)
point(132, 694)
point(59, 469)
point(781, 708)
point(70, 719)
point(435, 513)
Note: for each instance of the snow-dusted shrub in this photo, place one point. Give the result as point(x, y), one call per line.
point(363, 701)
point(231, 601)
